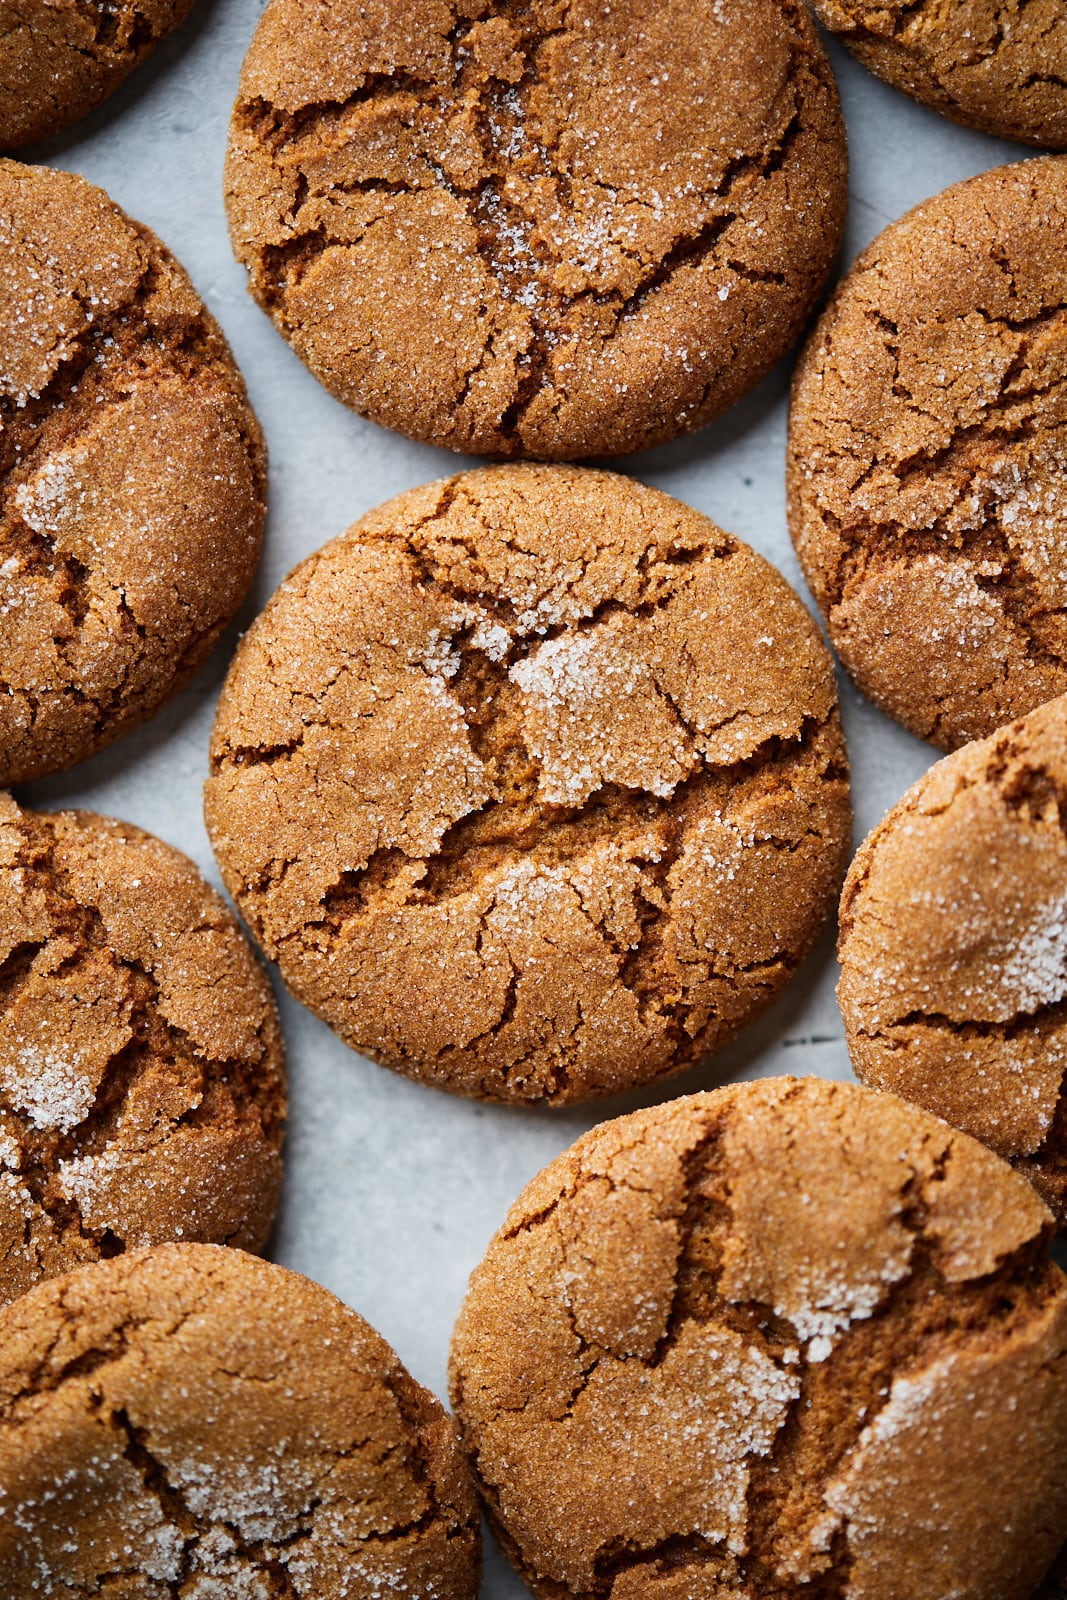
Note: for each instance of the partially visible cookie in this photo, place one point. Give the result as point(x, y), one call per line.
point(533, 783)
point(551, 230)
point(60, 58)
point(1003, 72)
point(193, 1421)
point(132, 473)
point(928, 457)
point(954, 947)
point(142, 1085)
point(792, 1338)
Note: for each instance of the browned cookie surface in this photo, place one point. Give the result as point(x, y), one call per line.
point(192, 1421)
point(792, 1340)
point(60, 58)
point(551, 229)
point(132, 473)
point(928, 457)
point(142, 1086)
point(533, 783)
point(954, 947)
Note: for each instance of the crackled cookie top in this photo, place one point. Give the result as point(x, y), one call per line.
point(792, 1338)
point(60, 58)
point(553, 229)
point(131, 473)
point(142, 1088)
point(532, 782)
point(1000, 69)
point(193, 1421)
point(954, 947)
point(928, 457)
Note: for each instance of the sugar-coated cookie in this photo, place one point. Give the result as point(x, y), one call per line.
point(791, 1338)
point(532, 782)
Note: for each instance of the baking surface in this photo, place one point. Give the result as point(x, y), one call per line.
point(393, 1189)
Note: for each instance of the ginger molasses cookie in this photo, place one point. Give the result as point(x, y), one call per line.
point(132, 473)
point(954, 947)
point(555, 229)
point(142, 1086)
point(1001, 72)
point(60, 58)
point(190, 1420)
point(791, 1338)
point(532, 783)
point(927, 457)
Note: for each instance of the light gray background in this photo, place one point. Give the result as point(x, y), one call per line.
point(392, 1189)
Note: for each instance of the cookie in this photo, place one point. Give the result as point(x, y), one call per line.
point(927, 448)
point(132, 474)
point(954, 947)
point(142, 1084)
point(59, 59)
point(551, 230)
point(190, 1420)
point(967, 59)
point(791, 1338)
point(532, 783)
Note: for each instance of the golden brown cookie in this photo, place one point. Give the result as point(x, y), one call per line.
point(789, 1339)
point(928, 457)
point(954, 947)
point(60, 58)
point(1002, 69)
point(532, 783)
point(142, 1084)
point(132, 473)
point(555, 229)
point(192, 1421)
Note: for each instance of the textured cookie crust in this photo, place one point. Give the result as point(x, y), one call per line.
point(927, 457)
point(1002, 69)
point(533, 783)
point(954, 947)
point(59, 58)
point(551, 229)
point(142, 1087)
point(132, 473)
point(788, 1341)
point(192, 1421)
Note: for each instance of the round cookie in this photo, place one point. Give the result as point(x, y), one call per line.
point(927, 456)
point(142, 1084)
point(532, 783)
point(193, 1421)
point(132, 473)
point(786, 1339)
point(61, 58)
point(554, 230)
point(953, 947)
point(1003, 73)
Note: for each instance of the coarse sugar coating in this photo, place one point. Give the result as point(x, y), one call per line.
point(541, 228)
point(191, 1420)
point(928, 457)
point(132, 473)
point(790, 1340)
point(533, 783)
point(953, 947)
point(142, 1081)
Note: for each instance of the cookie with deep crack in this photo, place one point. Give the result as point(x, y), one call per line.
point(132, 473)
point(142, 1082)
point(550, 230)
point(532, 783)
point(1003, 73)
point(927, 456)
point(790, 1338)
point(193, 1420)
point(954, 947)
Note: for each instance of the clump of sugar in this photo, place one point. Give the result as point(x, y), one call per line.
point(50, 1087)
